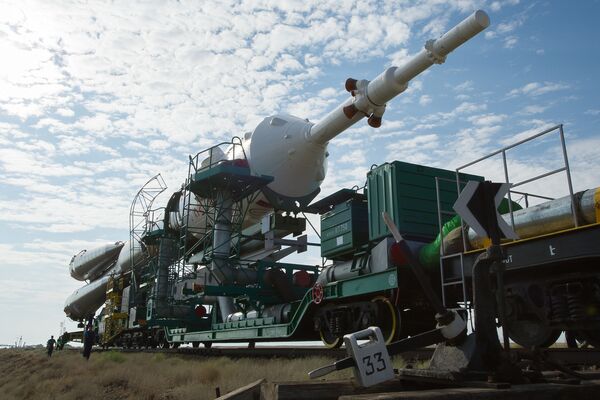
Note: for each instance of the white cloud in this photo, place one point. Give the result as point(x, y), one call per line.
point(498, 5)
point(466, 86)
point(424, 100)
point(534, 109)
point(537, 88)
point(510, 42)
point(467, 107)
point(353, 157)
point(535, 126)
point(506, 28)
point(486, 119)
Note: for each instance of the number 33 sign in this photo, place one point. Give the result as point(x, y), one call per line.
point(373, 363)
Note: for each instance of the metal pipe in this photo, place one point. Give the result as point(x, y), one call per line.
point(535, 178)
point(219, 267)
point(551, 216)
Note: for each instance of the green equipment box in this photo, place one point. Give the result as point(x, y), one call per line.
point(344, 228)
point(407, 192)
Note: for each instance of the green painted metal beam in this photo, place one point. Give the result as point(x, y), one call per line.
point(246, 330)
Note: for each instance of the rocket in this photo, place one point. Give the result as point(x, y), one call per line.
point(293, 150)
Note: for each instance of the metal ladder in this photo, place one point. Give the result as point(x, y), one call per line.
point(445, 283)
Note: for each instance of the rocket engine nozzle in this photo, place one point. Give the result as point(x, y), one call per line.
point(362, 103)
point(374, 121)
point(350, 85)
point(350, 111)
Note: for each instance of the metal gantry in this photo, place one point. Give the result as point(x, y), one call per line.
point(217, 194)
point(143, 219)
point(141, 214)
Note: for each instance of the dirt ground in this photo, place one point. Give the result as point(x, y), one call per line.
point(30, 374)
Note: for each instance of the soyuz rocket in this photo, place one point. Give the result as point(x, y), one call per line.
point(292, 150)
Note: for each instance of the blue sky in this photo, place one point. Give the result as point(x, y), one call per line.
point(96, 98)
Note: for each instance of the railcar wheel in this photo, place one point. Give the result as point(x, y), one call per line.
point(330, 340)
point(207, 345)
point(532, 332)
point(195, 344)
point(391, 318)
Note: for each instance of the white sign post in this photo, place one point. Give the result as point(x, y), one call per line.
point(373, 364)
point(471, 208)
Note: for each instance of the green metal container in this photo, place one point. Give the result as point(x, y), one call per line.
point(407, 193)
point(344, 229)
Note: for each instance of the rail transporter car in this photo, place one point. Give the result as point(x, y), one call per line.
point(210, 265)
point(170, 297)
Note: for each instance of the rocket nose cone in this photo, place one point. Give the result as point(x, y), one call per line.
point(482, 18)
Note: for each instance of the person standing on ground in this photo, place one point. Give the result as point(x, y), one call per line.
point(50, 345)
point(88, 341)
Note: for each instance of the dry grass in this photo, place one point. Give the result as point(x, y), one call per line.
point(29, 374)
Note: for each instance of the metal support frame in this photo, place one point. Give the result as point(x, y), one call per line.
point(503, 151)
point(142, 220)
point(141, 214)
point(557, 128)
point(194, 239)
point(218, 192)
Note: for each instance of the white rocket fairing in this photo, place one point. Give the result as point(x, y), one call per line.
point(87, 299)
point(90, 264)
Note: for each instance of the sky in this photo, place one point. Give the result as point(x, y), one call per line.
point(98, 97)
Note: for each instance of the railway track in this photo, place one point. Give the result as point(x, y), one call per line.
point(564, 356)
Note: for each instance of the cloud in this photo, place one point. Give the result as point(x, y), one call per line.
point(535, 126)
point(424, 100)
point(353, 157)
point(538, 88)
point(510, 42)
point(505, 30)
point(498, 5)
point(466, 86)
point(534, 109)
point(486, 119)
point(419, 149)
